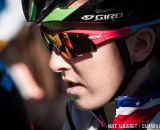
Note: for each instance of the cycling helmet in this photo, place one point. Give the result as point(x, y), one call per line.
point(112, 13)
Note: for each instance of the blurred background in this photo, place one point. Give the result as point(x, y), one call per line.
point(26, 58)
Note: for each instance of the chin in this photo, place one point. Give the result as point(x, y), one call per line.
point(87, 106)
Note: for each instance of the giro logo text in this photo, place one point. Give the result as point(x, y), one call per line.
point(102, 17)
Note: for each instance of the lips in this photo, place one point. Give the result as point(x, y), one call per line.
point(73, 88)
point(73, 84)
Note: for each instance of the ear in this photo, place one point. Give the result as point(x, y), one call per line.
point(140, 44)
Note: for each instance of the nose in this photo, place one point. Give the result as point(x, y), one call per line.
point(58, 64)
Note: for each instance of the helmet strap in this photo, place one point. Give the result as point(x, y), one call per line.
point(129, 72)
point(130, 69)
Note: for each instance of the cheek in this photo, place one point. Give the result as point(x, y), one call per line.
point(102, 76)
point(106, 70)
point(105, 82)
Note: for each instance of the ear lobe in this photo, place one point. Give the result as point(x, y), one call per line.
point(140, 44)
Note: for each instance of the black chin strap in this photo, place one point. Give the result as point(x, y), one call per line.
point(130, 69)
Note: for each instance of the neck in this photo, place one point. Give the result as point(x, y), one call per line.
point(141, 75)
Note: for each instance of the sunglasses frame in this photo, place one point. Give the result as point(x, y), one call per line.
point(99, 36)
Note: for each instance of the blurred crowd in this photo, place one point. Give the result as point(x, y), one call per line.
point(24, 58)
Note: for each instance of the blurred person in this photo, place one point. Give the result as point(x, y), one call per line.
point(13, 114)
point(27, 72)
point(9, 30)
point(43, 95)
point(108, 55)
point(20, 55)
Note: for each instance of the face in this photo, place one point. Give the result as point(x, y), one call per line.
point(93, 79)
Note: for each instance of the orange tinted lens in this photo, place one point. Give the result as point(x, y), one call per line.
point(70, 45)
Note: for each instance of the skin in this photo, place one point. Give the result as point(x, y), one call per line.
point(98, 74)
point(96, 77)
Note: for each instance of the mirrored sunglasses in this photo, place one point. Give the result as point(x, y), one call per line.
point(76, 43)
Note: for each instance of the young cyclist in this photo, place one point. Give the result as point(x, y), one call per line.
point(108, 55)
